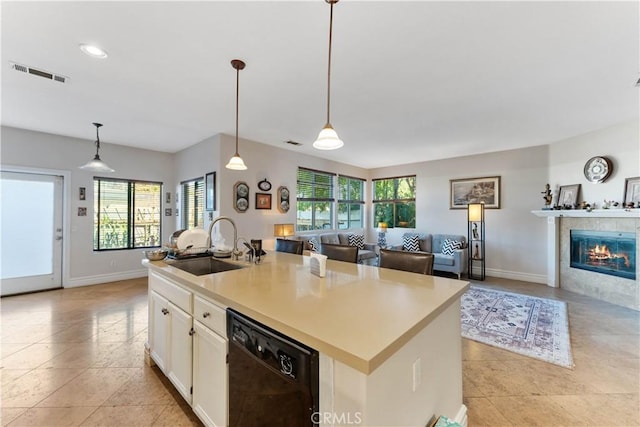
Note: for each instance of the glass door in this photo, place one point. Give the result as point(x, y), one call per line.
point(31, 237)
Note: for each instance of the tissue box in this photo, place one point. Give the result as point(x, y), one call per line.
point(318, 264)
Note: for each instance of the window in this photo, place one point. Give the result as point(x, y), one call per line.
point(394, 201)
point(314, 200)
point(193, 203)
point(126, 214)
point(350, 202)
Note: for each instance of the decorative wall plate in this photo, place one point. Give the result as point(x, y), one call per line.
point(283, 199)
point(241, 196)
point(598, 169)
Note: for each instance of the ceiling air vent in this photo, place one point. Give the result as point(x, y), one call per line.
point(297, 144)
point(40, 73)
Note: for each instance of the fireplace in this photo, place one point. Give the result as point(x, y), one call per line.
point(606, 252)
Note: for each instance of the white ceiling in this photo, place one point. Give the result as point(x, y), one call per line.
point(411, 81)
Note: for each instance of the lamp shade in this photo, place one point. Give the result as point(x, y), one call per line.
point(476, 212)
point(283, 230)
point(236, 163)
point(328, 139)
point(96, 165)
point(382, 227)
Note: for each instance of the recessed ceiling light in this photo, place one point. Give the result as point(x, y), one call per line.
point(93, 51)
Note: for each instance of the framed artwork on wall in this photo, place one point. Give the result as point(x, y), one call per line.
point(283, 199)
point(241, 196)
point(475, 190)
point(263, 201)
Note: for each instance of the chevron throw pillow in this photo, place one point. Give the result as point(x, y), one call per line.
point(449, 246)
point(356, 240)
point(410, 243)
point(313, 244)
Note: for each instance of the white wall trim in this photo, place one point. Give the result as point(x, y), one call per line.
point(461, 416)
point(105, 278)
point(516, 275)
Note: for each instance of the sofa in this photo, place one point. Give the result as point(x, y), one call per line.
point(366, 252)
point(455, 262)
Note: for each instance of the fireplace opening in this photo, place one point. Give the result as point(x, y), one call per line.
point(605, 252)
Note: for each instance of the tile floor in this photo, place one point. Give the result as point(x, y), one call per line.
point(75, 357)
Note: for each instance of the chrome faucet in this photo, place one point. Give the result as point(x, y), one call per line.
point(236, 252)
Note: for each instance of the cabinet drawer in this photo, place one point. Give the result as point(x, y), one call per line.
point(211, 315)
point(174, 293)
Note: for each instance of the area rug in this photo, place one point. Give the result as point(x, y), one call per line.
point(531, 326)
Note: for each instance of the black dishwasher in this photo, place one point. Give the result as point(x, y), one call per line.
point(273, 379)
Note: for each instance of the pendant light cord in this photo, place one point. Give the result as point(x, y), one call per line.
point(329, 66)
point(237, 102)
point(97, 138)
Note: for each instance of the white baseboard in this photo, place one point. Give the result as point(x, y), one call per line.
point(461, 416)
point(514, 275)
point(105, 278)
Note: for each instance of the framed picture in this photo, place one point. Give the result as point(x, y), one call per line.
point(475, 190)
point(632, 191)
point(263, 201)
point(210, 191)
point(167, 212)
point(568, 195)
point(82, 193)
point(241, 196)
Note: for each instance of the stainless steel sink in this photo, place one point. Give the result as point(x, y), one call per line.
point(202, 266)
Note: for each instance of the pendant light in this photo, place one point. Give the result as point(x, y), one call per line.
point(97, 165)
point(328, 138)
point(236, 162)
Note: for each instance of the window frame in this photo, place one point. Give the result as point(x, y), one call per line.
point(315, 200)
point(198, 216)
point(348, 201)
point(395, 201)
point(131, 213)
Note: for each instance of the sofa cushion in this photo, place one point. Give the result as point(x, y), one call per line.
point(356, 240)
point(410, 243)
point(343, 238)
point(440, 259)
point(365, 254)
point(330, 238)
point(449, 246)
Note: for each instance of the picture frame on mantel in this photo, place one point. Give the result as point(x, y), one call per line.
point(475, 190)
point(632, 192)
point(568, 195)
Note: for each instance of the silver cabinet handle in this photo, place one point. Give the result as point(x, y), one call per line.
point(206, 314)
point(165, 311)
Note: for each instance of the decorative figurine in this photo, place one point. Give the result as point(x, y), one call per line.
point(475, 231)
point(547, 196)
point(476, 253)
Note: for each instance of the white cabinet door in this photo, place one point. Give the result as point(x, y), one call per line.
point(159, 324)
point(181, 350)
point(209, 376)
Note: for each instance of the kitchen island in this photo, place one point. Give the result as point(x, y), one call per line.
point(389, 341)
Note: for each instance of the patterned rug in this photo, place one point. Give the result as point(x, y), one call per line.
point(531, 326)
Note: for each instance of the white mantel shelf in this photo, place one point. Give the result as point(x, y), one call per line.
point(595, 213)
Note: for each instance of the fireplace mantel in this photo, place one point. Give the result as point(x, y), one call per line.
point(595, 213)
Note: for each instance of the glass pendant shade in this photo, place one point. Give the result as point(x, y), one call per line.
point(236, 163)
point(328, 139)
point(97, 165)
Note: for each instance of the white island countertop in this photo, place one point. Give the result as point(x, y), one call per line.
point(357, 314)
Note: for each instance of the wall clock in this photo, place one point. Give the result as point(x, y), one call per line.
point(264, 185)
point(598, 169)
